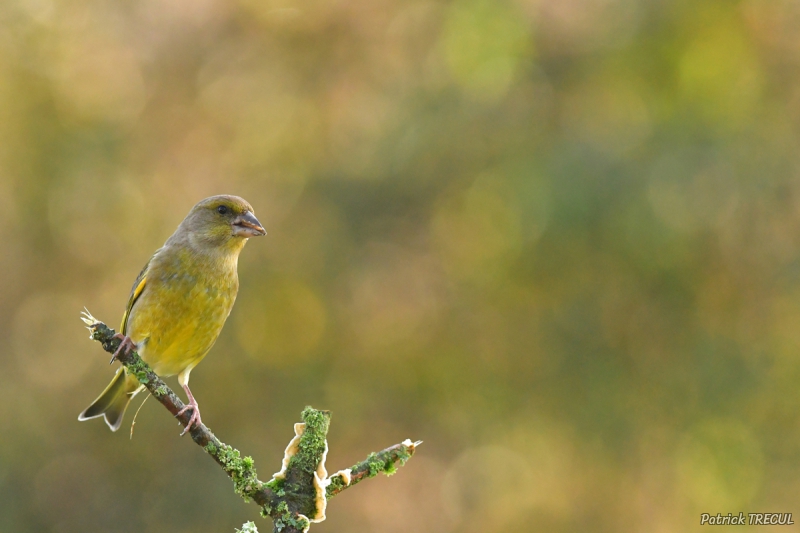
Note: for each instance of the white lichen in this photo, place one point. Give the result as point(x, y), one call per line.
point(321, 482)
point(291, 449)
point(308, 522)
point(321, 471)
point(248, 527)
point(410, 444)
point(320, 498)
point(321, 478)
point(346, 475)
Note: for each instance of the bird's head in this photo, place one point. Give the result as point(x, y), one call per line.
point(221, 222)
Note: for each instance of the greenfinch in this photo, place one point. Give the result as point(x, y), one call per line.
point(180, 301)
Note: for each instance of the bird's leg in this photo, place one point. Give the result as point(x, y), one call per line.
point(195, 419)
point(124, 347)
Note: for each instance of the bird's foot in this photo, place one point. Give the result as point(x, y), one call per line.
point(194, 420)
point(124, 347)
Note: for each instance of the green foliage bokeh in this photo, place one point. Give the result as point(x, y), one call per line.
point(559, 242)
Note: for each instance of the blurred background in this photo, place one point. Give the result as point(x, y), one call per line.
point(559, 241)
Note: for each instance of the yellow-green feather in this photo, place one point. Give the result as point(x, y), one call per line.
point(138, 287)
point(180, 315)
point(113, 401)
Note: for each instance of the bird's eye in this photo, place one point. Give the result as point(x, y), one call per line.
point(222, 210)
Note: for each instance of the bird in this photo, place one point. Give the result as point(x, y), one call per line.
point(180, 302)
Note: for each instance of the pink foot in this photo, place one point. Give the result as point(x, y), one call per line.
point(195, 418)
point(124, 347)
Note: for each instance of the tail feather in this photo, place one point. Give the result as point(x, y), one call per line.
point(113, 401)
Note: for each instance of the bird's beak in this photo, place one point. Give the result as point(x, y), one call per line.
point(247, 225)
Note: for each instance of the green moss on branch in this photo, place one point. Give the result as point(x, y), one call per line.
point(385, 461)
point(295, 498)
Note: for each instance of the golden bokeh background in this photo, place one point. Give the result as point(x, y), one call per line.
point(559, 241)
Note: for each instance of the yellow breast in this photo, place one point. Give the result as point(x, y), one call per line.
point(181, 311)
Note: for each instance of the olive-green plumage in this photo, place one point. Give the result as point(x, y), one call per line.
point(181, 299)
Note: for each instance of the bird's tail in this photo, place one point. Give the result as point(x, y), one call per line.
point(113, 401)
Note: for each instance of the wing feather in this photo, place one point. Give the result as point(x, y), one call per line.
point(136, 291)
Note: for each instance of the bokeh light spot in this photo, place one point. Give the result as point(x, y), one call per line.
point(719, 465)
point(720, 76)
point(484, 42)
point(49, 347)
point(280, 323)
point(487, 487)
point(476, 229)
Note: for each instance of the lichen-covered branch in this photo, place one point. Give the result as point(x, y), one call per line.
point(385, 461)
point(297, 495)
point(240, 469)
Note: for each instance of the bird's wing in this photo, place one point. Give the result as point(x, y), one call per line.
point(136, 291)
